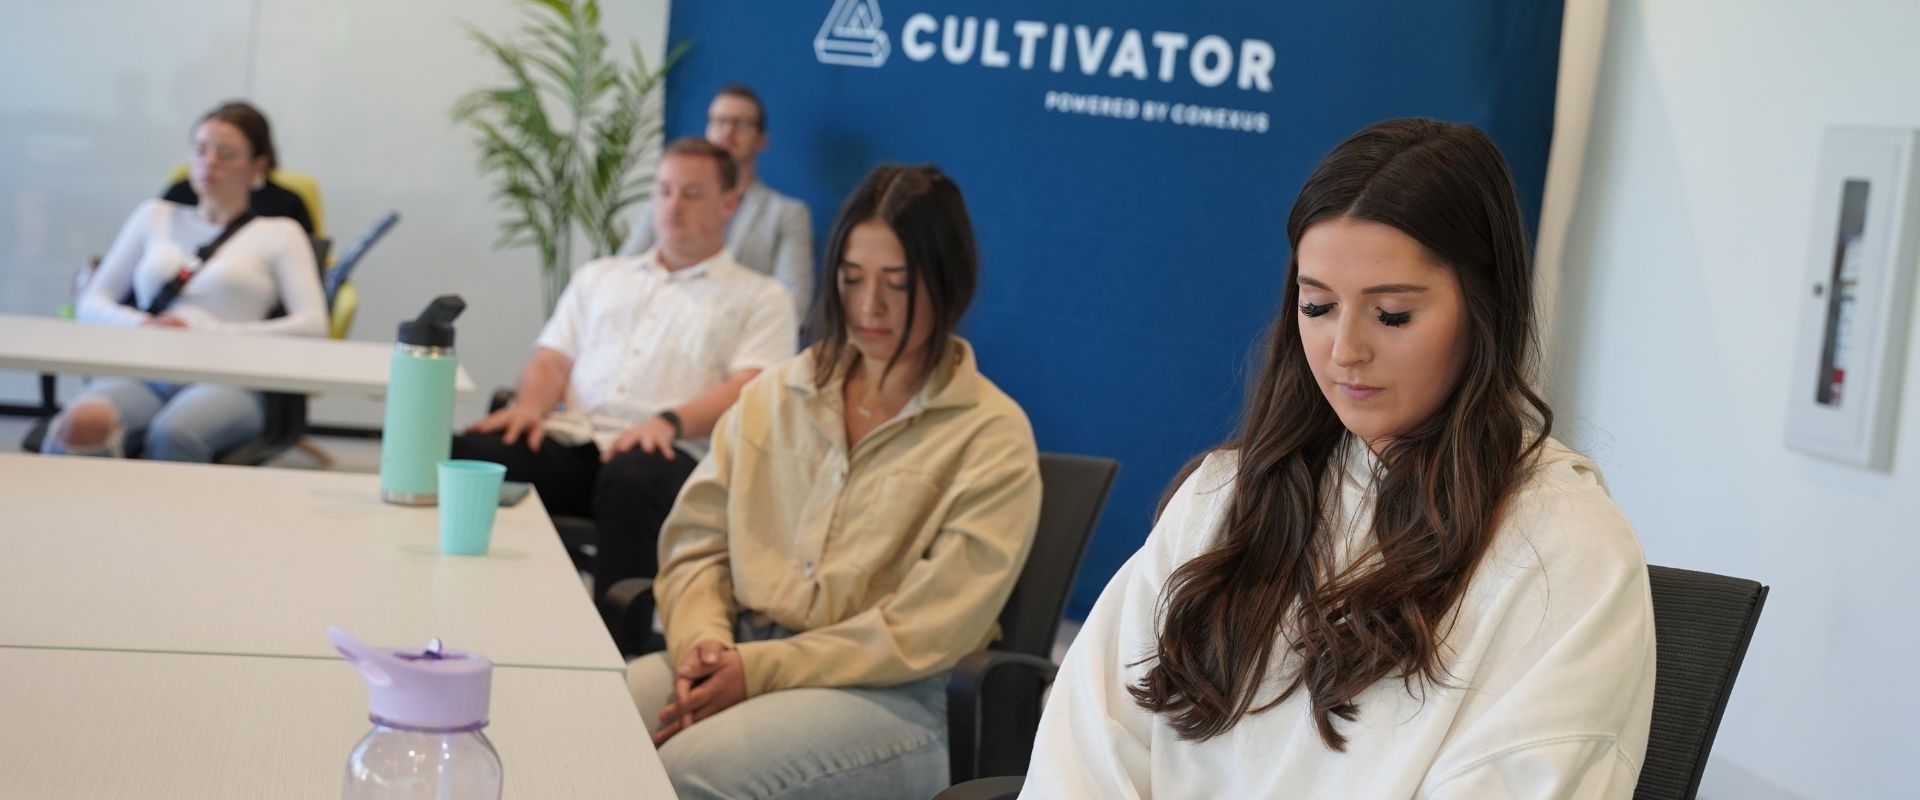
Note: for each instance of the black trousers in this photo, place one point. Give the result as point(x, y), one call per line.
point(628, 498)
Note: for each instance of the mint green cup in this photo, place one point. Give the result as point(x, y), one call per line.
point(469, 494)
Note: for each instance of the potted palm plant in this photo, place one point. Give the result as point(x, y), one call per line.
point(567, 137)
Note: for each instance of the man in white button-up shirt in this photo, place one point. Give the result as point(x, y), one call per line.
point(640, 359)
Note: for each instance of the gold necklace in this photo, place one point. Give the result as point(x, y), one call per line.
point(864, 406)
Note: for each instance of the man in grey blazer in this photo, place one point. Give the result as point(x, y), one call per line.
point(771, 233)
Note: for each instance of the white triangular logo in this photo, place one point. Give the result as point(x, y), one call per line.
point(852, 35)
point(858, 21)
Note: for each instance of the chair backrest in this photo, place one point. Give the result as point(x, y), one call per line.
point(342, 271)
point(322, 250)
point(302, 185)
point(343, 301)
point(1073, 491)
point(307, 188)
point(340, 313)
point(1701, 626)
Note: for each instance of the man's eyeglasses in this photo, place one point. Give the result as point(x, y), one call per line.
point(728, 123)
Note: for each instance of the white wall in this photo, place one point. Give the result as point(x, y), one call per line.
point(96, 97)
point(1679, 303)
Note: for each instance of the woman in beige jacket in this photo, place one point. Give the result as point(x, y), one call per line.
point(863, 515)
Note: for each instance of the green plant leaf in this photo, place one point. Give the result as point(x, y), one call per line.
point(567, 138)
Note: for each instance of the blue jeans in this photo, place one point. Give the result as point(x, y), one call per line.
point(842, 744)
point(170, 421)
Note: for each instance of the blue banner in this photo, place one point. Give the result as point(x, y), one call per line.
point(1129, 166)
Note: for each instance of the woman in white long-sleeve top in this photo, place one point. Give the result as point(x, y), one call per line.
point(1391, 582)
point(212, 266)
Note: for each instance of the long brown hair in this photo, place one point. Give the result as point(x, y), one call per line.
point(924, 209)
point(1270, 576)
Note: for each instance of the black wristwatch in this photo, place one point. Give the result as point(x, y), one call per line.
point(674, 420)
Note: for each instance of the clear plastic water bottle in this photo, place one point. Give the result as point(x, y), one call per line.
point(427, 707)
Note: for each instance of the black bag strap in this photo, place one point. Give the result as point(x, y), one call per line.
point(171, 291)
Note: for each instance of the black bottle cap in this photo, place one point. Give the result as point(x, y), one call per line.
point(434, 326)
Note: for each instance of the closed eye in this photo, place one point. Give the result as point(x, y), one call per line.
point(1394, 319)
point(1313, 310)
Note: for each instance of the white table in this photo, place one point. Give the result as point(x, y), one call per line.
point(296, 364)
point(84, 724)
point(134, 555)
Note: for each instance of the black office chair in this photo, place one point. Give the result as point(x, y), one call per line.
point(1075, 489)
point(1003, 787)
point(286, 423)
point(994, 696)
point(1702, 624)
point(286, 414)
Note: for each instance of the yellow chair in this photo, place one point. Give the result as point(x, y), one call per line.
point(345, 302)
point(303, 186)
point(307, 189)
point(284, 418)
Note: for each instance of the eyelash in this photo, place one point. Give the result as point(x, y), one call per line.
point(846, 281)
point(1390, 319)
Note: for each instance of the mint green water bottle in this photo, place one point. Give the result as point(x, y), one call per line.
point(419, 428)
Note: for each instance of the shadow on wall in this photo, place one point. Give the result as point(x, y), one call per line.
point(1669, 263)
point(1574, 306)
point(1726, 780)
point(1652, 341)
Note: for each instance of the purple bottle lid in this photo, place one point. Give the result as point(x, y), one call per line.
point(427, 688)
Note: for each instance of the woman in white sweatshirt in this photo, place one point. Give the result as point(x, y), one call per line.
point(212, 266)
point(1390, 583)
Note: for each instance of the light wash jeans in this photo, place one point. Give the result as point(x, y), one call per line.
point(169, 421)
point(843, 744)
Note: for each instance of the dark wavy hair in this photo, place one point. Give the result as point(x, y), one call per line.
point(1270, 576)
point(926, 212)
